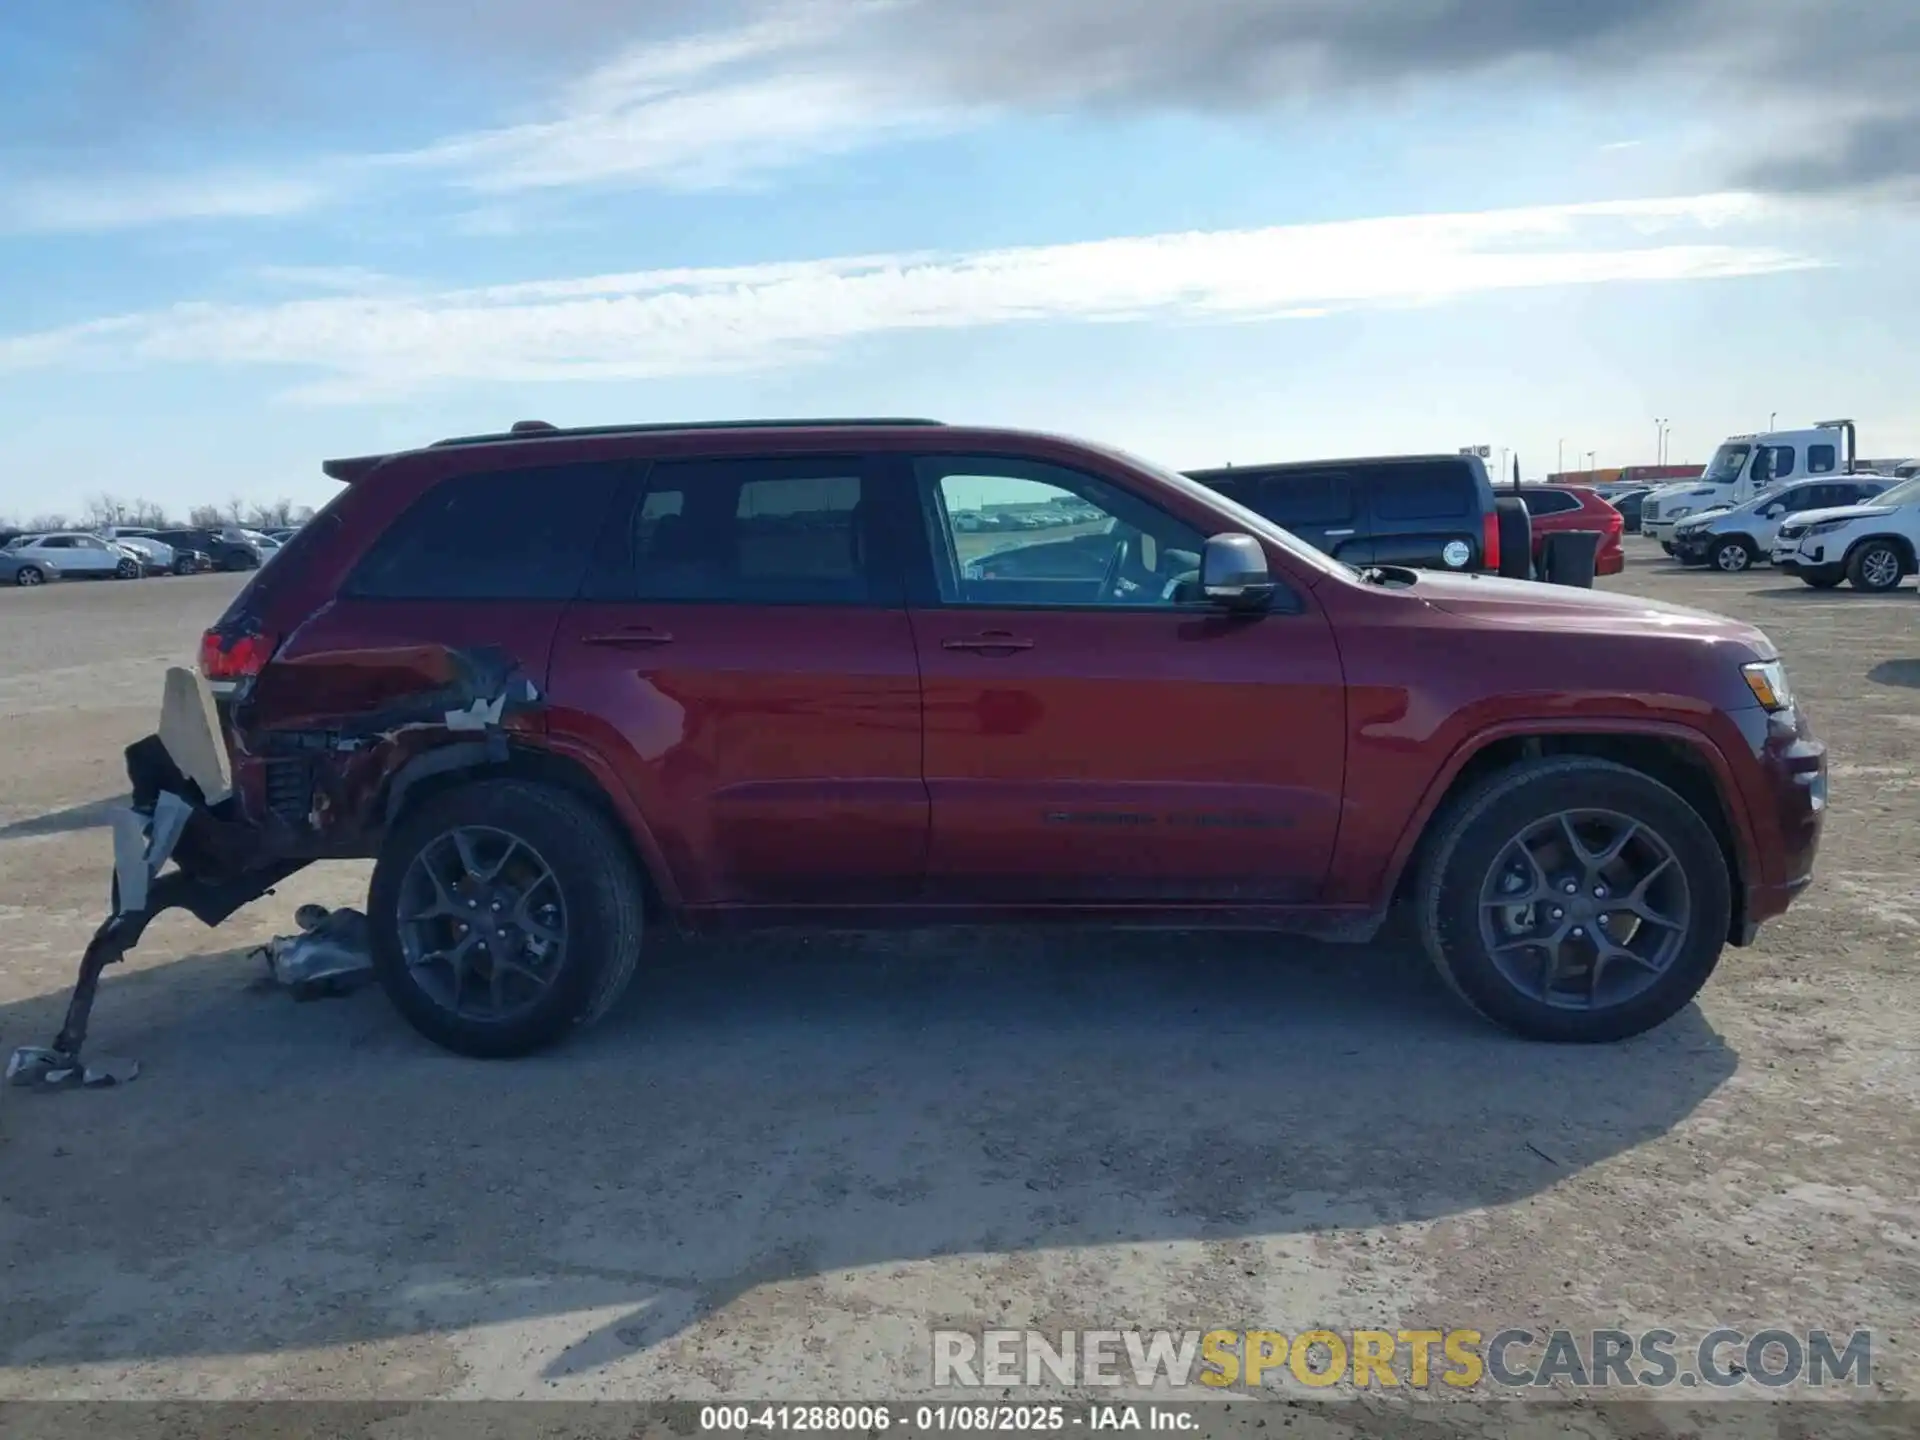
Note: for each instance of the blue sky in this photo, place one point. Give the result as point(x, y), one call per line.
point(240, 236)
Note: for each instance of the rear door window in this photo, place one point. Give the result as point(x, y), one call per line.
point(764, 531)
point(1323, 497)
point(1422, 492)
point(1548, 502)
point(495, 535)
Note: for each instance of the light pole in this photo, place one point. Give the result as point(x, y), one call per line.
point(1659, 438)
point(1560, 459)
point(1773, 416)
point(1590, 471)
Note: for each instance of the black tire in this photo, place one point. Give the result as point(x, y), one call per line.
point(1474, 832)
point(1734, 555)
point(1516, 537)
point(1822, 582)
point(598, 883)
point(183, 566)
point(127, 570)
point(29, 575)
point(1876, 566)
point(1667, 545)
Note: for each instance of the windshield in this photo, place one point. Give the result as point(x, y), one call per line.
point(1905, 494)
point(1248, 520)
point(1725, 466)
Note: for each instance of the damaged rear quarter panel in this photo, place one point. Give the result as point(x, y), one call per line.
point(364, 687)
point(357, 686)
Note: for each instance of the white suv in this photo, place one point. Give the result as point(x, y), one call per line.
point(1744, 535)
point(1872, 544)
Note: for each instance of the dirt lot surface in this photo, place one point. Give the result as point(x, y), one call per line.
point(785, 1161)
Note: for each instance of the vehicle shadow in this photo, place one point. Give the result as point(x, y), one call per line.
point(92, 815)
point(1811, 596)
point(766, 1110)
point(1904, 673)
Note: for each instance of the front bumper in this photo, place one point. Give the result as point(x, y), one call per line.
point(1787, 805)
point(1691, 547)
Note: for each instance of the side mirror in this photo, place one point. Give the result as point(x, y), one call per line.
point(1234, 574)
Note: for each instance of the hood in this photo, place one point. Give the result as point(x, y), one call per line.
point(1842, 512)
point(1679, 488)
point(1704, 517)
point(1531, 605)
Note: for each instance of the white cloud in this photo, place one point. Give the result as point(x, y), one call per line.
point(127, 202)
point(704, 111)
point(337, 279)
point(685, 321)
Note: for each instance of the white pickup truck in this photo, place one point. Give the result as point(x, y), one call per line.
point(1747, 465)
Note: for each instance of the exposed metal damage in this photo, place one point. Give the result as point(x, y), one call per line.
point(331, 955)
point(314, 762)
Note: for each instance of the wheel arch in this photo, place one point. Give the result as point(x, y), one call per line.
point(450, 766)
point(1901, 543)
point(1684, 760)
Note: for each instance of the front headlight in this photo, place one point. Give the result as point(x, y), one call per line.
point(1827, 527)
point(1768, 681)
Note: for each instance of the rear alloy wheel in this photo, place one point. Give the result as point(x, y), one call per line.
point(183, 566)
point(28, 575)
point(1575, 900)
point(1733, 555)
point(1876, 565)
point(504, 913)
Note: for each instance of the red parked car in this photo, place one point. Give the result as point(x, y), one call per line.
point(566, 685)
point(1552, 508)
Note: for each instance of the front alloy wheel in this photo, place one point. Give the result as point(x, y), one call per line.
point(1574, 899)
point(1584, 909)
point(1732, 556)
point(1875, 566)
point(127, 570)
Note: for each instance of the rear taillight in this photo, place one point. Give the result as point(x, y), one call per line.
point(1490, 542)
point(232, 658)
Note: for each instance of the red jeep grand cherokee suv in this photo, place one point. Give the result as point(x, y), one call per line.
point(564, 684)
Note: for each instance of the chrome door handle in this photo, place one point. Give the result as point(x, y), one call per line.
point(1338, 534)
point(634, 639)
point(991, 641)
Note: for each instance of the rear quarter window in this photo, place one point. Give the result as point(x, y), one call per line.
point(524, 534)
point(1423, 492)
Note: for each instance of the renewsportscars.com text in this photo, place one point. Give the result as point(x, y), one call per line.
point(1418, 1359)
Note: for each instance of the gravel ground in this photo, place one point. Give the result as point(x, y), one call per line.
point(785, 1160)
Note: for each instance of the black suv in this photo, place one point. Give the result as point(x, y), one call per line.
point(228, 553)
point(1434, 512)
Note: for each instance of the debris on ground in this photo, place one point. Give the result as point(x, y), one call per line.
point(35, 1065)
point(331, 955)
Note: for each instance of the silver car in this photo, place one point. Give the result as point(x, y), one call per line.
point(26, 570)
point(76, 554)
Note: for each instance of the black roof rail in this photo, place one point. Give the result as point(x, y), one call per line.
point(541, 430)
